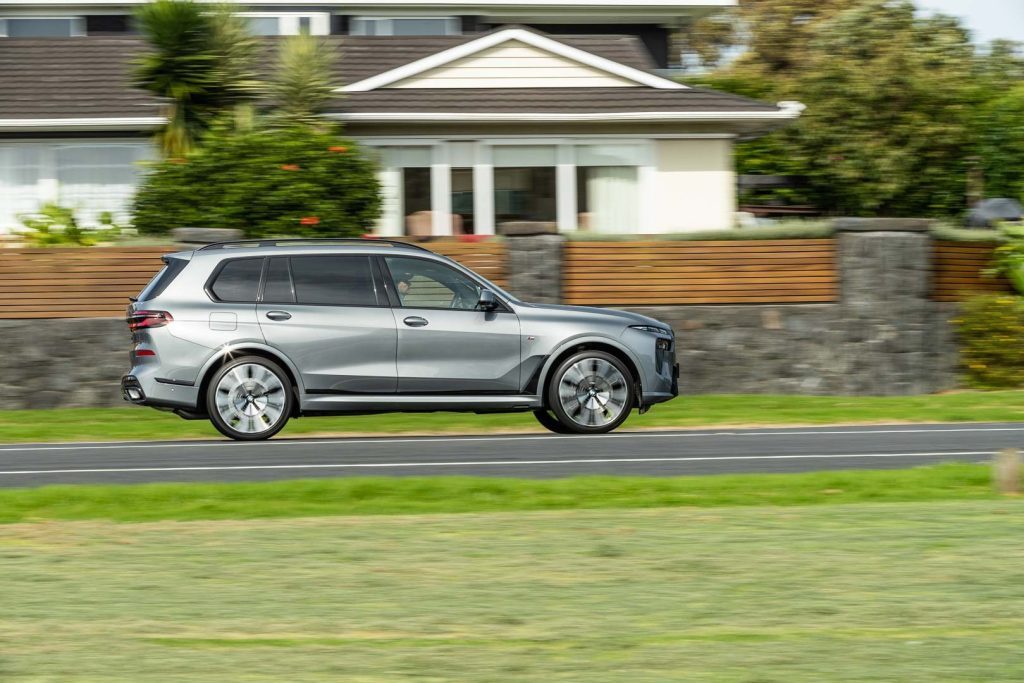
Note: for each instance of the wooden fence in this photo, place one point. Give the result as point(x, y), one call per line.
point(96, 282)
point(958, 270)
point(719, 272)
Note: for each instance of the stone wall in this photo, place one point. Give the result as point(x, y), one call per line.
point(69, 363)
point(885, 336)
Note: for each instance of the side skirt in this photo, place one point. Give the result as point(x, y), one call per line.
point(391, 403)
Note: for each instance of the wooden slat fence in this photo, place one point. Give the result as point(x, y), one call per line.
point(958, 270)
point(96, 282)
point(711, 272)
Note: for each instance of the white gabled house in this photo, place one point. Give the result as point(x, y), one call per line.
point(472, 131)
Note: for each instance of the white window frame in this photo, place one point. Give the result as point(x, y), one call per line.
point(288, 22)
point(77, 23)
point(483, 178)
point(453, 25)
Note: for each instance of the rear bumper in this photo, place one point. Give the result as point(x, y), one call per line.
point(142, 388)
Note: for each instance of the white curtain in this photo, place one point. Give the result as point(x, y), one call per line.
point(93, 179)
point(20, 170)
point(612, 199)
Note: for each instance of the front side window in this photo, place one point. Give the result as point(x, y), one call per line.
point(333, 280)
point(238, 281)
point(427, 284)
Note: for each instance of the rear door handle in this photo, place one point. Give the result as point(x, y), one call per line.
point(415, 321)
point(279, 315)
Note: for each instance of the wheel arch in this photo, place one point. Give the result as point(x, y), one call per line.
point(225, 356)
point(589, 344)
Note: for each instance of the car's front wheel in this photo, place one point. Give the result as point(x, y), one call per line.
point(249, 399)
point(591, 392)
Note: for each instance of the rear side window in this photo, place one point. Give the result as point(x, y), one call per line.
point(172, 267)
point(333, 280)
point(238, 281)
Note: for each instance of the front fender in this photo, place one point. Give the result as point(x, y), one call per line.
point(549, 364)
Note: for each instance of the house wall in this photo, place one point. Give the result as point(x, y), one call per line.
point(694, 186)
point(514, 65)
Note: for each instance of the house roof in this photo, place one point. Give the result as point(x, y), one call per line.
point(85, 84)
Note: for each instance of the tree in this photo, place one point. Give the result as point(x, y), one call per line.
point(199, 61)
point(266, 182)
point(1001, 144)
point(887, 130)
point(303, 81)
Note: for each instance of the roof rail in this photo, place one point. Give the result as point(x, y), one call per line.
point(296, 241)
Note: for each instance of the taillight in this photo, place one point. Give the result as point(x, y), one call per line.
point(144, 320)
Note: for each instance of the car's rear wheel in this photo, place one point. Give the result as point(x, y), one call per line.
point(591, 392)
point(550, 422)
point(249, 399)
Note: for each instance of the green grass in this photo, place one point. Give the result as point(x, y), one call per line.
point(432, 495)
point(131, 423)
point(909, 592)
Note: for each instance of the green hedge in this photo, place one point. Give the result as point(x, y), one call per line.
point(991, 333)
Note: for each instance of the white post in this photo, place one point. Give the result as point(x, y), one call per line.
point(441, 191)
point(483, 191)
point(565, 188)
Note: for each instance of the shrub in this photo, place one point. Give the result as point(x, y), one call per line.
point(991, 333)
point(56, 226)
point(291, 181)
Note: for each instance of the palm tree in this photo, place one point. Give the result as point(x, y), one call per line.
point(303, 81)
point(199, 63)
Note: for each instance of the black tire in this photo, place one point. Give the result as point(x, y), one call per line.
point(621, 393)
point(269, 416)
point(550, 422)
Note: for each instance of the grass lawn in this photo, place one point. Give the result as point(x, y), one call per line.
point(909, 592)
point(433, 495)
point(132, 423)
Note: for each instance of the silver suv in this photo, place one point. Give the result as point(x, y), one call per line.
point(252, 333)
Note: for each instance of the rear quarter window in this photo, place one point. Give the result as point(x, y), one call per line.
point(238, 280)
point(172, 268)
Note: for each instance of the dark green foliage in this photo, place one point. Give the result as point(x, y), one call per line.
point(991, 333)
point(292, 181)
point(902, 109)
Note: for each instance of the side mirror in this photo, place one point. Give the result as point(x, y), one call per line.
point(487, 302)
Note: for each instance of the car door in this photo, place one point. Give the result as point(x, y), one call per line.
point(446, 344)
point(326, 314)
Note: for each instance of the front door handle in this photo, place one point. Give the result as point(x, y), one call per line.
point(279, 315)
point(415, 321)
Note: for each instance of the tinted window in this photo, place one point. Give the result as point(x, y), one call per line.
point(333, 280)
point(428, 284)
point(278, 288)
point(160, 281)
point(238, 281)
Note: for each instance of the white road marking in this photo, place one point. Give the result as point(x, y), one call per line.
point(482, 463)
point(91, 446)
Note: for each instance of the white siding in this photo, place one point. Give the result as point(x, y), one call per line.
point(694, 186)
point(515, 65)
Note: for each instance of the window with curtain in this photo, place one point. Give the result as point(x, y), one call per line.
point(607, 179)
point(406, 189)
point(41, 27)
point(20, 171)
point(96, 178)
point(405, 26)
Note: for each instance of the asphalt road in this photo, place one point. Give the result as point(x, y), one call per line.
point(538, 456)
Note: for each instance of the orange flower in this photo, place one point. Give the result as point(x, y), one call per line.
point(290, 167)
point(309, 220)
point(337, 148)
